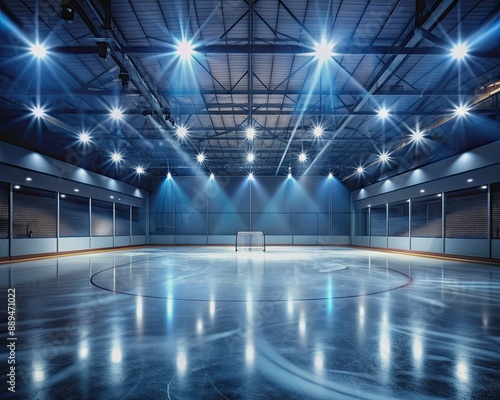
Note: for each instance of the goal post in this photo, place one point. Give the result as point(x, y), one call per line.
point(250, 240)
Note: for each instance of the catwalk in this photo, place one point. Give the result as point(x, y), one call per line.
point(288, 323)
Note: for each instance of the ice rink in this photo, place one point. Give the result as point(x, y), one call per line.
point(290, 323)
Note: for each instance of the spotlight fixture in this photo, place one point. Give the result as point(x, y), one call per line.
point(461, 111)
point(38, 112)
point(200, 157)
point(323, 51)
point(67, 10)
point(360, 170)
point(184, 50)
point(330, 175)
point(459, 51)
point(139, 170)
point(250, 157)
point(124, 78)
point(250, 176)
point(383, 157)
point(38, 50)
point(250, 133)
point(116, 114)
point(181, 132)
point(302, 156)
point(289, 176)
point(84, 137)
point(417, 136)
point(116, 157)
point(212, 176)
point(318, 131)
point(169, 176)
point(383, 113)
point(102, 49)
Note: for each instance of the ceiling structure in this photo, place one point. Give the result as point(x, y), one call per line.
point(281, 67)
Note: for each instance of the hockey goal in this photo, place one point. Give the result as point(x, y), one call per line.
point(254, 240)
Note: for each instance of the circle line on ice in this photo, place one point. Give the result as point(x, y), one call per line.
point(221, 276)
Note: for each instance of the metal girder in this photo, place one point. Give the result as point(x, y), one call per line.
point(336, 113)
point(278, 49)
point(236, 92)
point(239, 111)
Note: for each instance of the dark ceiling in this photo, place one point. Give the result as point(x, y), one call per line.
point(253, 64)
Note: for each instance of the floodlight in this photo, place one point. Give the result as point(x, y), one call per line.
point(181, 132)
point(459, 51)
point(250, 157)
point(250, 133)
point(302, 157)
point(184, 50)
point(124, 78)
point(116, 157)
point(417, 136)
point(139, 170)
point(461, 111)
point(383, 113)
point(318, 131)
point(383, 157)
point(200, 157)
point(116, 114)
point(84, 137)
point(38, 112)
point(360, 170)
point(67, 10)
point(323, 51)
point(38, 50)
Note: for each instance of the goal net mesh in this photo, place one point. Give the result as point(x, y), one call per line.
point(253, 240)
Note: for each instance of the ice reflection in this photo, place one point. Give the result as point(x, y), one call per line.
point(170, 308)
point(462, 371)
point(417, 349)
point(83, 351)
point(116, 353)
point(361, 316)
point(319, 362)
point(212, 308)
point(138, 313)
point(302, 325)
point(38, 373)
point(249, 353)
point(199, 326)
point(290, 306)
point(181, 362)
point(329, 297)
point(249, 305)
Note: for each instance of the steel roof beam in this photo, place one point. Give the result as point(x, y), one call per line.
point(336, 113)
point(236, 92)
point(279, 49)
